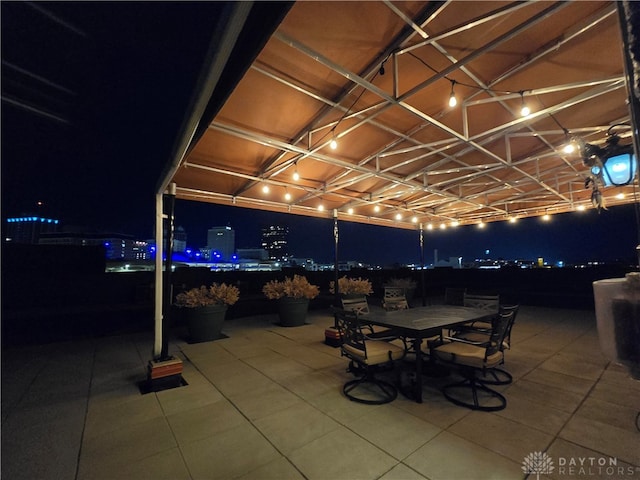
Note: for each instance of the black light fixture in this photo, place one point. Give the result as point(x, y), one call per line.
point(381, 71)
point(613, 164)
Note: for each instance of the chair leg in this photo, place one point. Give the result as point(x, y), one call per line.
point(486, 402)
point(385, 391)
point(495, 376)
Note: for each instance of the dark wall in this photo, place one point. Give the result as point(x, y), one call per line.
point(64, 293)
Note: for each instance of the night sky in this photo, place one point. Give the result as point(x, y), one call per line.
point(90, 141)
point(610, 235)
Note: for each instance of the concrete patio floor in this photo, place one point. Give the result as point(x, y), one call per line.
point(267, 403)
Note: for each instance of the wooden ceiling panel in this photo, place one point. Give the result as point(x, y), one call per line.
point(401, 147)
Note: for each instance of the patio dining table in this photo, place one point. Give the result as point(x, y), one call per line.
point(419, 323)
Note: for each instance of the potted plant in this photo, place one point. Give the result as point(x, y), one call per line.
point(352, 286)
point(293, 295)
point(205, 309)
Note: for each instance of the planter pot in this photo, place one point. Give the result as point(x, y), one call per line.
point(292, 311)
point(205, 323)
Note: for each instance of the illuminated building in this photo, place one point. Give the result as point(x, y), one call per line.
point(274, 241)
point(28, 229)
point(221, 241)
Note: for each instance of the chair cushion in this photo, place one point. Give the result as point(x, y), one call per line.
point(466, 354)
point(377, 352)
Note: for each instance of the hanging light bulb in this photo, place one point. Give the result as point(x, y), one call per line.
point(430, 226)
point(333, 143)
point(376, 208)
point(453, 101)
point(414, 219)
point(296, 175)
point(524, 110)
point(350, 211)
point(265, 188)
point(321, 208)
point(571, 144)
point(398, 216)
point(287, 195)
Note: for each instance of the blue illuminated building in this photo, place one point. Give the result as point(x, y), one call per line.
point(27, 229)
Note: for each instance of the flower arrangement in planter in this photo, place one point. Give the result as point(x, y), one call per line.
point(352, 286)
point(216, 294)
point(296, 287)
point(293, 295)
point(206, 308)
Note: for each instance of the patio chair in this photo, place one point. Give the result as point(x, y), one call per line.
point(485, 302)
point(360, 306)
point(454, 296)
point(394, 299)
point(473, 360)
point(368, 355)
point(480, 332)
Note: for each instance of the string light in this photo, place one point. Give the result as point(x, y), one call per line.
point(546, 217)
point(265, 188)
point(513, 219)
point(350, 211)
point(296, 175)
point(287, 195)
point(376, 208)
point(430, 226)
point(481, 225)
point(581, 208)
point(321, 208)
point(455, 223)
point(398, 216)
point(414, 219)
point(525, 110)
point(453, 101)
point(443, 226)
point(333, 144)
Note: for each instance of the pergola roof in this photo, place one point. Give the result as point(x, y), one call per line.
point(377, 77)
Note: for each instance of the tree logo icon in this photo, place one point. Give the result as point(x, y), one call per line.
point(538, 463)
